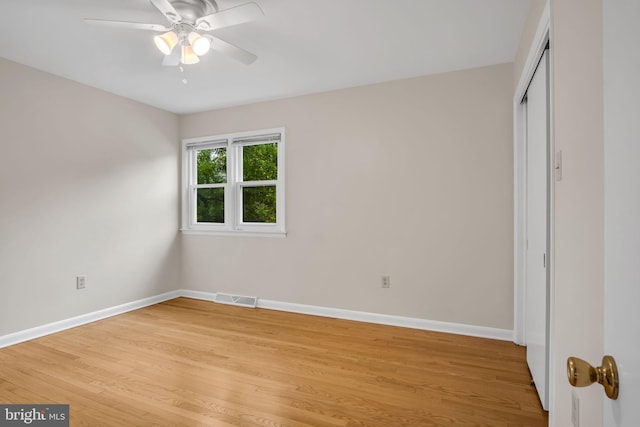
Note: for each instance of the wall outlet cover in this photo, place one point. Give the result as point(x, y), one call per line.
point(386, 281)
point(81, 282)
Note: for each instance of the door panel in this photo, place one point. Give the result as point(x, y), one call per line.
point(536, 288)
point(622, 205)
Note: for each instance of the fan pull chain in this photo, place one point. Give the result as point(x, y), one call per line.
point(184, 77)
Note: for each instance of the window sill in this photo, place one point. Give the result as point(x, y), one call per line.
point(240, 233)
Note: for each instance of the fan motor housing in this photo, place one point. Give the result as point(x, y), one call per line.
point(191, 10)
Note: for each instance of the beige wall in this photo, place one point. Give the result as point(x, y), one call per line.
point(411, 179)
point(531, 25)
point(380, 180)
point(576, 41)
point(88, 185)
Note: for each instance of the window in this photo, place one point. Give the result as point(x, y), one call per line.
point(234, 184)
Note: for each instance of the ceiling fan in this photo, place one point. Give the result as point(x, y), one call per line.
point(184, 39)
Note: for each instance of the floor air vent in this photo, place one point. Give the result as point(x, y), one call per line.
point(236, 300)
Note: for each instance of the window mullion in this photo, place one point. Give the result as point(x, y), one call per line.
point(266, 183)
point(222, 185)
point(239, 162)
point(193, 210)
point(193, 180)
point(231, 188)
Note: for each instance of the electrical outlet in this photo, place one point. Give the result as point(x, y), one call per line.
point(575, 409)
point(81, 282)
point(386, 281)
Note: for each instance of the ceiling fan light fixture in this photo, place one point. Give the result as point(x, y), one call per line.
point(166, 42)
point(187, 56)
point(200, 44)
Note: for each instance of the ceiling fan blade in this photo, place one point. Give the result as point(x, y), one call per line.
point(167, 10)
point(228, 17)
point(173, 59)
point(234, 52)
point(125, 24)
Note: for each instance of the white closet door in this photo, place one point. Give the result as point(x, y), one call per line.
point(537, 278)
point(622, 207)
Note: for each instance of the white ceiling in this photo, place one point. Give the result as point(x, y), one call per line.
point(303, 46)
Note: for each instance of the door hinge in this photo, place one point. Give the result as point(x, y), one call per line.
point(544, 260)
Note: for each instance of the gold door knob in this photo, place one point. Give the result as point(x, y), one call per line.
point(582, 374)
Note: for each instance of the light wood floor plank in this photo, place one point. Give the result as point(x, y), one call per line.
point(194, 363)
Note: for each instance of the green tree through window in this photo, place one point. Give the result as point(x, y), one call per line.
point(212, 169)
point(259, 163)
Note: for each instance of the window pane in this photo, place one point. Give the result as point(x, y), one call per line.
point(259, 204)
point(210, 205)
point(212, 166)
point(260, 162)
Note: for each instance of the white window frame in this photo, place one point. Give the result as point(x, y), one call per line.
point(233, 224)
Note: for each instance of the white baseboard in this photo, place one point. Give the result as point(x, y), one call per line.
point(205, 296)
point(337, 313)
point(382, 319)
point(50, 328)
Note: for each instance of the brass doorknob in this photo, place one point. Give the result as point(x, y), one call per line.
point(582, 374)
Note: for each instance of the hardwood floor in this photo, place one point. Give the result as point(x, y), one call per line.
point(194, 363)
